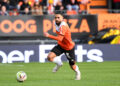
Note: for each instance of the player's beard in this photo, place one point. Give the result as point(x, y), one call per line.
point(58, 23)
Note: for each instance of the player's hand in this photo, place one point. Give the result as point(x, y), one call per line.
point(46, 34)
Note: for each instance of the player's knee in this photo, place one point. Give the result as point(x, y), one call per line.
point(71, 62)
point(50, 58)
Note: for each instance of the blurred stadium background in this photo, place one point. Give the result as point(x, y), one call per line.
point(95, 27)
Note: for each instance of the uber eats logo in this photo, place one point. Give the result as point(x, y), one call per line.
point(91, 54)
point(80, 52)
point(40, 54)
point(16, 55)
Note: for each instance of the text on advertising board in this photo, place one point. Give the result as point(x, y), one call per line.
point(41, 51)
point(18, 26)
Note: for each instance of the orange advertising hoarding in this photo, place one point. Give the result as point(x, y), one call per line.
point(35, 25)
point(108, 21)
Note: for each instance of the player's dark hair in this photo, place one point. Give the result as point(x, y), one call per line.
point(59, 12)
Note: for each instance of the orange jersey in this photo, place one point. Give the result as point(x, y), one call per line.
point(64, 36)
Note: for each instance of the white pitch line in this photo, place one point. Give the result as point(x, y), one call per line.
point(11, 65)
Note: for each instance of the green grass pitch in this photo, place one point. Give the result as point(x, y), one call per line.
point(40, 74)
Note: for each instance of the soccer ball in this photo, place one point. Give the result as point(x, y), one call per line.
point(21, 76)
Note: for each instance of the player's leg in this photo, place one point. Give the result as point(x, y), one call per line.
point(71, 58)
point(76, 69)
point(52, 57)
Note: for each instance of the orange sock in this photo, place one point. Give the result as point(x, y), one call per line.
point(74, 67)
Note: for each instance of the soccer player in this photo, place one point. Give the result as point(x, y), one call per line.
point(65, 45)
